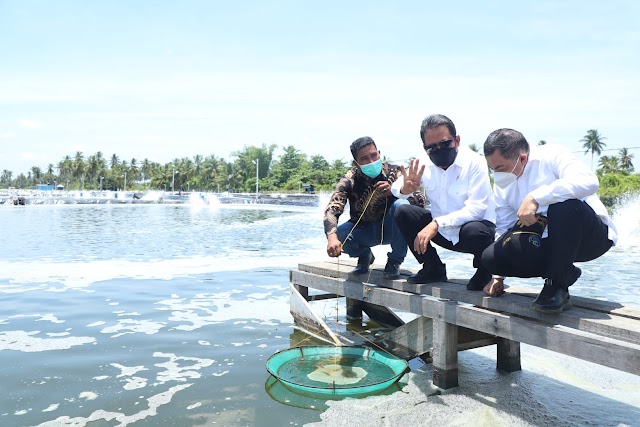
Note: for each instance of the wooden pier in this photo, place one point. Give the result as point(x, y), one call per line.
point(453, 319)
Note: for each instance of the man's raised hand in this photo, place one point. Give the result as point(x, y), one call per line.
point(412, 178)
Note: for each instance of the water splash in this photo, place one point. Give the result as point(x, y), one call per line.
point(626, 216)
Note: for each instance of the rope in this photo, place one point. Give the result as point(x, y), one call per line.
point(317, 330)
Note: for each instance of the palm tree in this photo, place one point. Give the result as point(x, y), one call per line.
point(36, 174)
point(542, 142)
point(593, 142)
point(474, 147)
point(79, 166)
point(609, 164)
point(625, 159)
point(5, 178)
point(115, 161)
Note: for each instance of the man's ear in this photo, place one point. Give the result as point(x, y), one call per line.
point(355, 164)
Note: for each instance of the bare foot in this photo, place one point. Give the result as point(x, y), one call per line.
point(495, 288)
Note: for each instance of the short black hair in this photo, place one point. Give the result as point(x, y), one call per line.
point(435, 120)
point(360, 143)
point(508, 143)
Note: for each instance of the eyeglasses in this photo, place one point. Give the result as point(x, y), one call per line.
point(442, 144)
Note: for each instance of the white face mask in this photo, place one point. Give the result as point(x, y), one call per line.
point(503, 179)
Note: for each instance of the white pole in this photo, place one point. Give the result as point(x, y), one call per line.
point(173, 181)
point(125, 181)
point(257, 162)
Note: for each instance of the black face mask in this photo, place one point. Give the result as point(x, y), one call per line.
point(443, 157)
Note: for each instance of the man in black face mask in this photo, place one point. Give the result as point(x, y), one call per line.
point(461, 216)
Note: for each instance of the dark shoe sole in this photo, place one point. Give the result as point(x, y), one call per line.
point(391, 276)
point(552, 310)
point(424, 281)
point(475, 286)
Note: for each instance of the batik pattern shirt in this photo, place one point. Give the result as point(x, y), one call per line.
point(365, 203)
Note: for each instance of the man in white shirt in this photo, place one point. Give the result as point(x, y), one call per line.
point(538, 187)
point(461, 217)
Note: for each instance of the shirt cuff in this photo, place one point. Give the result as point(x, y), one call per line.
point(441, 221)
point(399, 195)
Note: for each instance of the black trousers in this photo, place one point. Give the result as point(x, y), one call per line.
point(475, 236)
point(575, 234)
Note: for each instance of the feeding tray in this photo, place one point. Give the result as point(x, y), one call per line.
point(344, 371)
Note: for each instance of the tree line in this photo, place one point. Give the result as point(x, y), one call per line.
point(289, 172)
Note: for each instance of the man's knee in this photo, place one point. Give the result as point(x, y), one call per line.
point(402, 212)
point(400, 202)
point(343, 230)
point(479, 231)
point(568, 207)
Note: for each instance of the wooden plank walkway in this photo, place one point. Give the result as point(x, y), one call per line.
point(606, 333)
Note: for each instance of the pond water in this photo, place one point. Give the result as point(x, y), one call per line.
point(165, 314)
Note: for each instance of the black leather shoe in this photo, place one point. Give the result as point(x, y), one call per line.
point(391, 271)
point(429, 275)
point(363, 263)
point(552, 299)
point(479, 280)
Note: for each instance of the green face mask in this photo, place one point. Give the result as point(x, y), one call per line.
point(372, 169)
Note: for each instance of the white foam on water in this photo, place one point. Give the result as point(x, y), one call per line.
point(134, 383)
point(131, 326)
point(43, 275)
point(195, 405)
point(127, 371)
point(48, 317)
point(209, 309)
point(154, 402)
point(88, 395)
point(175, 372)
point(28, 342)
point(98, 323)
point(51, 407)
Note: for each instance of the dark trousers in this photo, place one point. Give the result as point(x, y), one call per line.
point(475, 236)
point(575, 234)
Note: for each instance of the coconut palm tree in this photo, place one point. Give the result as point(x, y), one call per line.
point(36, 174)
point(609, 164)
point(593, 142)
point(115, 161)
point(625, 159)
point(542, 142)
point(5, 177)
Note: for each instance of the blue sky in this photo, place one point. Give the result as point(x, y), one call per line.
point(167, 79)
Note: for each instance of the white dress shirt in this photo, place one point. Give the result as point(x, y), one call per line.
point(458, 195)
point(552, 175)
